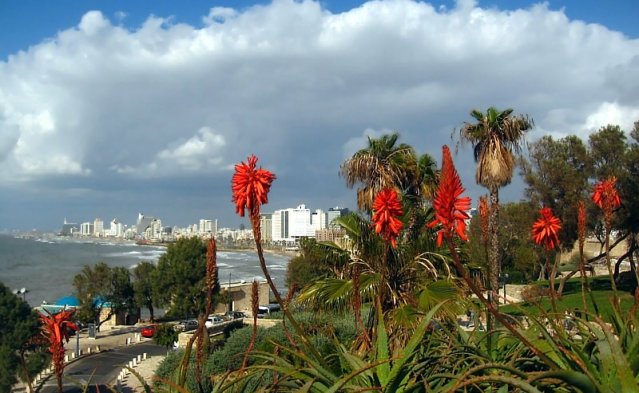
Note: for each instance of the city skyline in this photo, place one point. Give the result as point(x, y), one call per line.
point(100, 227)
point(107, 107)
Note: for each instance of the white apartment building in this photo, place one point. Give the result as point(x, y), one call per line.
point(208, 227)
point(266, 227)
point(98, 227)
point(289, 225)
point(86, 229)
point(116, 228)
point(319, 220)
point(154, 230)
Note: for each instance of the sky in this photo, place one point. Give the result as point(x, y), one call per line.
point(111, 108)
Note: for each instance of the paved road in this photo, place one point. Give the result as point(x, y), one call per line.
point(101, 368)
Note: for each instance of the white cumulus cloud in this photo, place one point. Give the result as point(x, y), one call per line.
point(201, 152)
point(100, 103)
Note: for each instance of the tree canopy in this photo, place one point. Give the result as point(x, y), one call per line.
point(180, 278)
point(556, 175)
point(18, 324)
point(101, 287)
point(143, 276)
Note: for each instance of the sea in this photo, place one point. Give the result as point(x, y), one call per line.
point(45, 265)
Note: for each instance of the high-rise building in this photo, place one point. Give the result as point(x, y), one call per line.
point(319, 220)
point(86, 229)
point(208, 227)
point(279, 225)
point(266, 227)
point(292, 224)
point(143, 223)
point(333, 213)
point(116, 228)
point(98, 227)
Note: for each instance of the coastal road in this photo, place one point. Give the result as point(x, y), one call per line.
point(101, 368)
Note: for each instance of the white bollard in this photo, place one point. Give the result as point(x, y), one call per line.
point(139, 358)
point(66, 358)
point(135, 362)
point(144, 356)
point(89, 350)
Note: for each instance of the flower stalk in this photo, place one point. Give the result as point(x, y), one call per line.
point(250, 186)
point(255, 302)
point(606, 197)
point(545, 232)
point(451, 211)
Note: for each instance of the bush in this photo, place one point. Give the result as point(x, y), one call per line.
point(168, 367)
point(322, 329)
point(533, 294)
point(165, 335)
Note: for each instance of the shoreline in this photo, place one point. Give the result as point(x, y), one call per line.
point(281, 253)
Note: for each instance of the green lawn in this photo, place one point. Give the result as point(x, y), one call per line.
point(572, 300)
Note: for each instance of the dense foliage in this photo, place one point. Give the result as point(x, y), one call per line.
point(144, 295)
point(101, 287)
point(18, 325)
point(180, 278)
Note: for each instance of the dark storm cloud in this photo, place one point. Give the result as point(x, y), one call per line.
point(156, 117)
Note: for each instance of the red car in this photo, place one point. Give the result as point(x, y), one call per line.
point(148, 331)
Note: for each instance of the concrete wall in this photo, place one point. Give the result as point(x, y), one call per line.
point(241, 296)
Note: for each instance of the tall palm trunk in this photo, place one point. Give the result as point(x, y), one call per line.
point(493, 255)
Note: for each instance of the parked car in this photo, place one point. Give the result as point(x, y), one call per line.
point(148, 331)
point(186, 325)
point(236, 315)
point(267, 309)
point(212, 320)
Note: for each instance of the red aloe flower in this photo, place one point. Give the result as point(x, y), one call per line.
point(451, 211)
point(606, 197)
point(386, 209)
point(545, 229)
point(250, 186)
point(56, 329)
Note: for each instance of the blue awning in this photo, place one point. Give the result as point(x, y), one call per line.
point(70, 301)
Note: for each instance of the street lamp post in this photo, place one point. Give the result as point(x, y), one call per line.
point(77, 343)
point(228, 293)
point(23, 291)
point(505, 277)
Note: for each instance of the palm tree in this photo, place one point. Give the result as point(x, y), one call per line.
point(495, 137)
point(383, 164)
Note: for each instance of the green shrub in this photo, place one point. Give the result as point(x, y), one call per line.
point(168, 366)
point(165, 335)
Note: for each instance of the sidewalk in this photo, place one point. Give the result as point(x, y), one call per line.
point(131, 384)
point(106, 340)
point(119, 337)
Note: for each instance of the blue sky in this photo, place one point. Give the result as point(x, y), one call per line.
point(110, 108)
